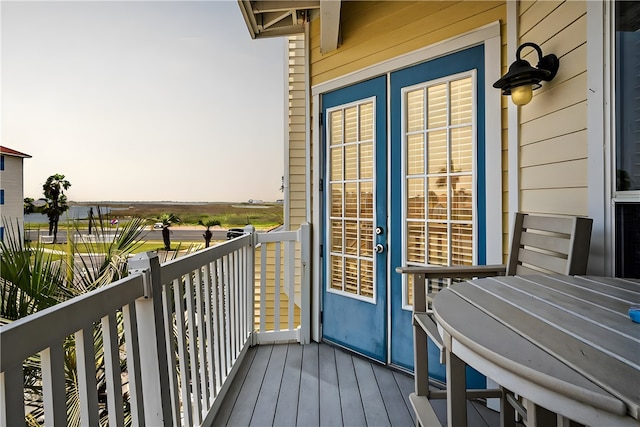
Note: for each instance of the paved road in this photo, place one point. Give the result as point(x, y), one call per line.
point(178, 234)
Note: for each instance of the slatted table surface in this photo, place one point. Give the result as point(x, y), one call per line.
point(564, 342)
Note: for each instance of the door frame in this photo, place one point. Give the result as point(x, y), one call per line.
point(489, 36)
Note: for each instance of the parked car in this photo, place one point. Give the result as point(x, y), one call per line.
point(232, 233)
point(157, 226)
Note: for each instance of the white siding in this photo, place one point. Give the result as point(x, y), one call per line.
point(11, 182)
point(553, 137)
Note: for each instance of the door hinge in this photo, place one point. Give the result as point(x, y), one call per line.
point(321, 185)
point(321, 251)
point(320, 119)
point(321, 316)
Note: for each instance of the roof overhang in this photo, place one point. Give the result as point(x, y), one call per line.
point(11, 152)
point(287, 17)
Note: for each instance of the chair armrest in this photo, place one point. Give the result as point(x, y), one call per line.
point(454, 271)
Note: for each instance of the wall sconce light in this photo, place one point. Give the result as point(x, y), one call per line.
point(522, 79)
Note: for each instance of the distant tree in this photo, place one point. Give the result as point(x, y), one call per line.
point(208, 222)
point(167, 219)
point(29, 207)
point(53, 190)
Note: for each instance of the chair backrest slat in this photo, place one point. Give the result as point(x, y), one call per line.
point(549, 244)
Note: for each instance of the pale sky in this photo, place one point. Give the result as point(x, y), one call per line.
point(141, 100)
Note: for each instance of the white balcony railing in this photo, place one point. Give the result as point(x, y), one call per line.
point(171, 335)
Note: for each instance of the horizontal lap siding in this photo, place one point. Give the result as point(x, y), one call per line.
point(373, 32)
point(271, 289)
point(297, 135)
point(553, 136)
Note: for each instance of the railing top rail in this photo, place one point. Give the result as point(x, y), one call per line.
point(32, 334)
point(278, 236)
point(176, 268)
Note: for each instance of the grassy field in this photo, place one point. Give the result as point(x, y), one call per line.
point(230, 215)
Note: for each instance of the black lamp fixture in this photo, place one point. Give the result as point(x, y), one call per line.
point(522, 79)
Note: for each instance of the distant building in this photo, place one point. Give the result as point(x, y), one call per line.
point(11, 189)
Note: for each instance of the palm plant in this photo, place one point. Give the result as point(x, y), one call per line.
point(208, 222)
point(32, 279)
point(167, 219)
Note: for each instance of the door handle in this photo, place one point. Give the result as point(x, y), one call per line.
point(379, 248)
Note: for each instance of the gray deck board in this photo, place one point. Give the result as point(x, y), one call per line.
point(320, 385)
point(398, 412)
point(227, 405)
point(406, 386)
point(287, 406)
point(308, 408)
point(370, 393)
point(350, 400)
point(265, 409)
point(330, 410)
point(246, 401)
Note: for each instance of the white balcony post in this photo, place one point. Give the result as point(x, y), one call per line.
point(152, 342)
point(251, 279)
point(305, 283)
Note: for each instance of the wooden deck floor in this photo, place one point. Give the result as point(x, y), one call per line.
point(320, 385)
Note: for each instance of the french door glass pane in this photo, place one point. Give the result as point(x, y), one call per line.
point(351, 186)
point(437, 151)
point(336, 128)
point(627, 95)
point(439, 175)
point(415, 110)
point(437, 106)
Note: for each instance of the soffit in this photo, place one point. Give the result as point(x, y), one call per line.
point(287, 17)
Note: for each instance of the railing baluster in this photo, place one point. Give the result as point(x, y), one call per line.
point(232, 305)
point(263, 287)
point(215, 318)
point(192, 347)
point(86, 366)
point(276, 289)
point(178, 294)
point(168, 312)
point(203, 327)
point(289, 279)
point(129, 319)
point(208, 321)
point(53, 385)
point(227, 313)
point(237, 309)
point(112, 369)
point(12, 397)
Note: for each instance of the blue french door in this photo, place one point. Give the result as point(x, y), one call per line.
point(413, 196)
point(437, 181)
point(355, 218)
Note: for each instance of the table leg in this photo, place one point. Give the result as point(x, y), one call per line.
point(507, 411)
point(456, 391)
point(539, 416)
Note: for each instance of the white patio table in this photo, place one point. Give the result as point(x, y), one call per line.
point(564, 343)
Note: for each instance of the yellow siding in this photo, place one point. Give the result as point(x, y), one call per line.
point(270, 290)
point(296, 132)
point(553, 141)
point(375, 31)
